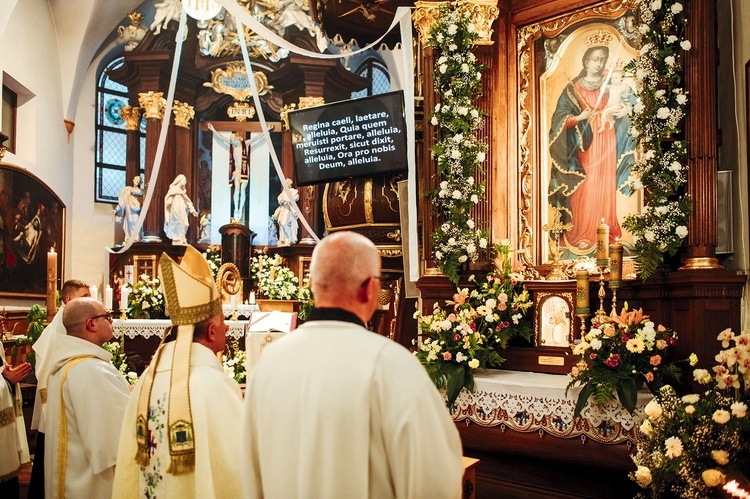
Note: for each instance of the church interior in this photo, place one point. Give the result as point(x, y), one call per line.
point(130, 129)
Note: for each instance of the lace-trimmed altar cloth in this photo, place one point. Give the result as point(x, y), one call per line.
point(527, 402)
point(147, 328)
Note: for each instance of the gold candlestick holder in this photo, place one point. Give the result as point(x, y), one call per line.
point(234, 315)
point(583, 314)
point(614, 285)
point(555, 229)
point(603, 266)
point(123, 314)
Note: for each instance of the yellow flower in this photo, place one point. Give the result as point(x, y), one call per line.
point(693, 359)
point(712, 477)
point(635, 345)
point(720, 456)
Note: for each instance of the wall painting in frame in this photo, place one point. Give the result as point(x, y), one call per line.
point(32, 220)
point(575, 129)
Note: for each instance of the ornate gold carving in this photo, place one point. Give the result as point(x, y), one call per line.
point(395, 235)
point(241, 111)
point(433, 272)
point(525, 38)
point(343, 189)
point(701, 263)
point(228, 281)
point(483, 14)
point(132, 117)
point(153, 104)
point(424, 17)
point(369, 218)
point(284, 114)
point(183, 113)
point(311, 102)
point(390, 251)
point(233, 81)
point(598, 39)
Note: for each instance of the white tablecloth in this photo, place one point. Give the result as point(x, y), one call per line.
point(147, 328)
point(528, 402)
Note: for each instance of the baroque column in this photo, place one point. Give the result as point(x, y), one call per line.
point(132, 117)
point(154, 104)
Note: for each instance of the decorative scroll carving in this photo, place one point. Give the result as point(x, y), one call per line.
point(233, 81)
point(425, 15)
point(483, 13)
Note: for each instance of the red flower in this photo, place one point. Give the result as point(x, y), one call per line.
point(592, 356)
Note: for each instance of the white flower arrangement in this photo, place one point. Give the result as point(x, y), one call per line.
point(662, 170)
point(146, 298)
point(234, 366)
point(459, 153)
point(272, 278)
point(120, 360)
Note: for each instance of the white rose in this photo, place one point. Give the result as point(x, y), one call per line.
point(470, 248)
point(643, 29)
point(455, 154)
point(663, 113)
point(456, 194)
point(451, 241)
point(653, 409)
point(643, 476)
point(452, 29)
point(452, 47)
point(443, 68)
point(649, 154)
point(650, 236)
point(463, 258)
point(693, 398)
point(686, 45)
point(676, 8)
point(444, 184)
point(465, 68)
point(470, 223)
point(646, 427)
point(681, 231)
point(739, 409)
point(471, 27)
point(480, 157)
point(474, 199)
point(655, 5)
point(672, 39)
point(434, 121)
point(482, 243)
point(470, 180)
point(474, 113)
point(438, 255)
point(463, 110)
point(596, 344)
point(669, 60)
point(681, 99)
point(474, 363)
point(442, 60)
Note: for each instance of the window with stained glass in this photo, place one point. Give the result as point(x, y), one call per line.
point(111, 137)
point(377, 72)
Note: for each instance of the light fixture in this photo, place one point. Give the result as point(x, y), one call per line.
point(202, 10)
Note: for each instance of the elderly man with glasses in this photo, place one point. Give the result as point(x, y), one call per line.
point(86, 400)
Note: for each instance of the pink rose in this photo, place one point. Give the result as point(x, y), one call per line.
point(502, 306)
point(649, 377)
point(655, 360)
point(447, 356)
point(661, 344)
point(661, 328)
point(452, 317)
point(592, 356)
point(502, 298)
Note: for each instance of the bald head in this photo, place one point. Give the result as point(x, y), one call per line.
point(85, 318)
point(344, 273)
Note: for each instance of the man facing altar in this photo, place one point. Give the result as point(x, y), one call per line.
point(179, 434)
point(334, 410)
point(86, 402)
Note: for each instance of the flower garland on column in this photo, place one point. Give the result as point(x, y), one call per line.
point(661, 170)
point(458, 80)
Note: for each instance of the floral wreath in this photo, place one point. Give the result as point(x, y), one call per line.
point(662, 170)
point(458, 78)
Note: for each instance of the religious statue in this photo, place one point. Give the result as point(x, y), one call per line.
point(205, 228)
point(129, 208)
point(177, 207)
point(238, 171)
point(286, 217)
point(166, 11)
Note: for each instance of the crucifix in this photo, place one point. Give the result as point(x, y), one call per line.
point(555, 229)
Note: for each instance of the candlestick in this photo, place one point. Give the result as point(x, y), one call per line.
point(108, 297)
point(615, 262)
point(94, 292)
point(601, 314)
point(582, 298)
point(602, 244)
point(51, 283)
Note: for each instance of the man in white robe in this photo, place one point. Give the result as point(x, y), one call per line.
point(334, 410)
point(85, 405)
point(156, 465)
point(14, 448)
point(71, 289)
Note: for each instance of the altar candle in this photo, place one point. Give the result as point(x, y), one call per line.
point(94, 291)
point(582, 291)
point(124, 291)
point(252, 297)
point(233, 301)
point(615, 261)
point(108, 297)
point(51, 281)
point(602, 241)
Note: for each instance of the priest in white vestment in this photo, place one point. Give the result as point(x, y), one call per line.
point(334, 410)
point(179, 438)
point(85, 405)
point(71, 289)
point(14, 448)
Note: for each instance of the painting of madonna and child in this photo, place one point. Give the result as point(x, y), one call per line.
point(587, 149)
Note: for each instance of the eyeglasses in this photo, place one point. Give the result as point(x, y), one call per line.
point(366, 281)
point(107, 315)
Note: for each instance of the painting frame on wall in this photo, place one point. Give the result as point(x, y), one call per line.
point(575, 146)
point(32, 220)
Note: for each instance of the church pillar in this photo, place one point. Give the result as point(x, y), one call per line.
point(153, 104)
point(132, 117)
point(701, 135)
point(184, 155)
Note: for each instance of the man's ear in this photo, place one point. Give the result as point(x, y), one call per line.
point(210, 333)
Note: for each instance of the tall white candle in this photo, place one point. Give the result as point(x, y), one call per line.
point(124, 291)
point(233, 301)
point(108, 297)
point(252, 297)
point(94, 292)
